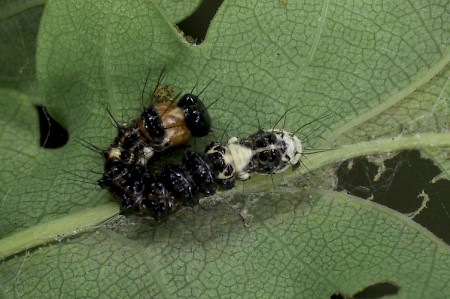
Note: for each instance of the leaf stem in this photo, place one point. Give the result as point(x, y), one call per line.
point(432, 140)
point(56, 230)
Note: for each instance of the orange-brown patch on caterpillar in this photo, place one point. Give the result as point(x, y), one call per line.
point(172, 119)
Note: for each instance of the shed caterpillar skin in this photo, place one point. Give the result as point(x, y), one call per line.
point(198, 175)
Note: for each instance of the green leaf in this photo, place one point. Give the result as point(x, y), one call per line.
point(302, 244)
point(19, 21)
point(380, 73)
point(177, 10)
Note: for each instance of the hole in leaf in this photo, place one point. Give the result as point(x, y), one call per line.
point(338, 295)
point(378, 290)
point(197, 24)
point(403, 183)
point(53, 135)
point(357, 177)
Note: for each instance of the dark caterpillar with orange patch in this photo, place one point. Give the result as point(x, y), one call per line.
point(158, 128)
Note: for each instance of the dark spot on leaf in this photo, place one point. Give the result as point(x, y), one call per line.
point(53, 135)
point(402, 186)
point(196, 25)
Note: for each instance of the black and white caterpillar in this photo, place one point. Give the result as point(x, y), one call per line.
point(159, 194)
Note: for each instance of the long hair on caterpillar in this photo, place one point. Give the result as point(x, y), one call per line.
point(159, 128)
point(156, 129)
point(291, 157)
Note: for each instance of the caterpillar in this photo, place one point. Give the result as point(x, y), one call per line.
point(267, 151)
point(159, 127)
point(158, 195)
point(156, 129)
